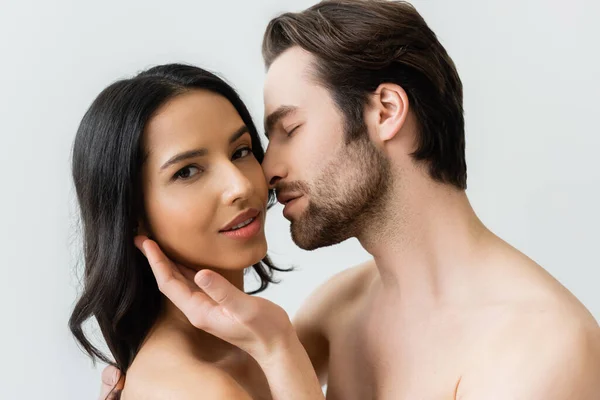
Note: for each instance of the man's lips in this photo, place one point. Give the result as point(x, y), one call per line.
point(289, 207)
point(285, 198)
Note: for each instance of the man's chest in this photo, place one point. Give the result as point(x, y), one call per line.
point(379, 354)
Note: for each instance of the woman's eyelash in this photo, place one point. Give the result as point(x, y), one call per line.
point(187, 172)
point(246, 149)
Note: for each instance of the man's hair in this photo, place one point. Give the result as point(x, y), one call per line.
point(360, 44)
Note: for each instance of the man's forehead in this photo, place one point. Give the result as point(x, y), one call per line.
point(293, 68)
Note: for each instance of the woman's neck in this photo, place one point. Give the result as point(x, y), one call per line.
point(173, 326)
point(236, 278)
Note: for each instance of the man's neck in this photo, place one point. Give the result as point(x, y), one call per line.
point(426, 243)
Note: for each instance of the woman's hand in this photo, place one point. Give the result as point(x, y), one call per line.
point(112, 383)
point(258, 326)
point(213, 304)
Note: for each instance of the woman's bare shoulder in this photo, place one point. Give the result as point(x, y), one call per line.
point(187, 379)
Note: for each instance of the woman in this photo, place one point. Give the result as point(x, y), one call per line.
point(172, 154)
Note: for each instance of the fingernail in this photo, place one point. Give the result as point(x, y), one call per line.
point(204, 280)
point(140, 245)
point(116, 377)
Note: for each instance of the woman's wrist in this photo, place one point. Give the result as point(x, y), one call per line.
point(284, 342)
point(289, 371)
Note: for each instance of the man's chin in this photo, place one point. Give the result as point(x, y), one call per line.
point(312, 239)
point(299, 235)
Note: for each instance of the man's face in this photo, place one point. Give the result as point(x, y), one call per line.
point(329, 187)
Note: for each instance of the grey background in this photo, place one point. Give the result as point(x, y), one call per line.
point(530, 71)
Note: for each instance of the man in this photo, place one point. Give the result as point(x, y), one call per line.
point(366, 140)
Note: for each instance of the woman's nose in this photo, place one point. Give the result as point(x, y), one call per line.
point(236, 186)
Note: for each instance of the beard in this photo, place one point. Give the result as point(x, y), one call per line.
point(346, 197)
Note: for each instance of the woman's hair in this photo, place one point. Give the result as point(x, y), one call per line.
point(119, 289)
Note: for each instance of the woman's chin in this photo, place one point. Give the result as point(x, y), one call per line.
point(242, 258)
point(254, 255)
point(230, 258)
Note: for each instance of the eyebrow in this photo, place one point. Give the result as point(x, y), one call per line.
point(202, 152)
point(276, 116)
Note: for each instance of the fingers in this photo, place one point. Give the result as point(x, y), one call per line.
point(166, 273)
point(188, 273)
point(139, 241)
point(176, 282)
point(233, 301)
point(110, 376)
point(112, 383)
point(205, 310)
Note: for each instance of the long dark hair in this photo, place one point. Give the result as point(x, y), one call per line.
point(119, 289)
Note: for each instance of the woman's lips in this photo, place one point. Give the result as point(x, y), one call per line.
point(248, 231)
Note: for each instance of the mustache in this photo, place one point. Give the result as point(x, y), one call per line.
point(292, 187)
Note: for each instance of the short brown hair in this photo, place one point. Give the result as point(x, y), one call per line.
point(360, 44)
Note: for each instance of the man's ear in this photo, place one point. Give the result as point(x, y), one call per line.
point(388, 111)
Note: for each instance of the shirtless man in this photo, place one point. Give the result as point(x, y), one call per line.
point(366, 140)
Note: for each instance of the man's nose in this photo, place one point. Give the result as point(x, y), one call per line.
point(274, 168)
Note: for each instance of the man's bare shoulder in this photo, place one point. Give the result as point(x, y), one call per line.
point(337, 294)
point(548, 354)
point(533, 338)
point(327, 307)
point(513, 280)
point(188, 379)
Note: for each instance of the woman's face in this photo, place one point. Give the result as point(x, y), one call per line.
point(205, 194)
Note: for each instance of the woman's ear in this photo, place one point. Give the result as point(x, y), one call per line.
point(141, 229)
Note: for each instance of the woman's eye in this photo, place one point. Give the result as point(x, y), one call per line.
point(187, 172)
point(241, 153)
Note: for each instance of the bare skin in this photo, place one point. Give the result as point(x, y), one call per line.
point(200, 179)
point(259, 356)
point(249, 326)
point(519, 335)
point(199, 174)
point(171, 364)
point(446, 309)
point(527, 338)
